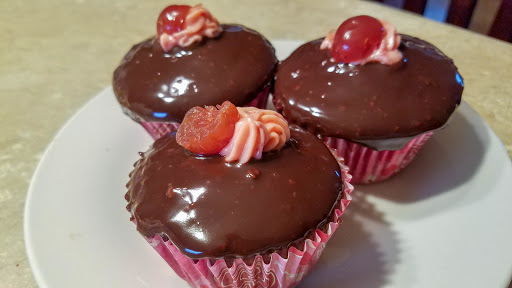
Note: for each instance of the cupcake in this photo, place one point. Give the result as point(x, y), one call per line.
point(236, 198)
point(192, 61)
point(372, 94)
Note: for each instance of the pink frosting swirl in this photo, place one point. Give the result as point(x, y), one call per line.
point(256, 132)
point(328, 40)
point(248, 141)
point(199, 23)
point(274, 122)
point(387, 53)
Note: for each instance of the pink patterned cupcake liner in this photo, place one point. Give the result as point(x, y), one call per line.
point(159, 129)
point(368, 165)
point(261, 100)
point(278, 273)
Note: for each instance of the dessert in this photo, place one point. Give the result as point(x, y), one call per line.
point(256, 210)
point(374, 95)
point(192, 61)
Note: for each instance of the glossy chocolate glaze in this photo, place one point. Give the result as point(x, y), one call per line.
point(210, 209)
point(364, 103)
point(154, 85)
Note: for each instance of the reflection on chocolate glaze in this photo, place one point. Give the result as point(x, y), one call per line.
point(364, 103)
point(211, 209)
point(152, 85)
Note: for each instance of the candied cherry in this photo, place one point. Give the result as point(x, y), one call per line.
point(357, 38)
point(172, 19)
point(206, 131)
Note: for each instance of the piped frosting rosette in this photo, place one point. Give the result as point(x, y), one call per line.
point(256, 132)
point(195, 23)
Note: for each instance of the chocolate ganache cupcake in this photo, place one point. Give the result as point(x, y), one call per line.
point(373, 95)
point(192, 61)
point(236, 198)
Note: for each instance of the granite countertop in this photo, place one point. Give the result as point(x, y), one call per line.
point(56, 55)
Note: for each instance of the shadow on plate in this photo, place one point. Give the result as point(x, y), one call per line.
point(362, 252)
point(449, 159)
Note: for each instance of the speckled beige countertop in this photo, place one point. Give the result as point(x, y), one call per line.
point(56, 55)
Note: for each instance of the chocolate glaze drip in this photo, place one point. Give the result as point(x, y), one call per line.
point(154, 85)
point(211, 209)
point(365, 103)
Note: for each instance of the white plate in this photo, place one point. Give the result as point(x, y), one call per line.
point(443, 222)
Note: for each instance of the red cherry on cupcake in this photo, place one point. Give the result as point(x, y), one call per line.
point(357, 38)
point(172, 19)
point(208, 130)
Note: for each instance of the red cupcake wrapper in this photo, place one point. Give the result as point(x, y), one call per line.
point(370, 166)
point(278, 273)
point(159, 129)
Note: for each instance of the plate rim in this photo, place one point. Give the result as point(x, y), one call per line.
point(27, 239)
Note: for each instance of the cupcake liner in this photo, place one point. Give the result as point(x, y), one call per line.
point(370, 166)
point(159, 129)
point(261, 100)
point(278, 273)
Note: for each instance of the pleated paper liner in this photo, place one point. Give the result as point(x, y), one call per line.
point(370, 166)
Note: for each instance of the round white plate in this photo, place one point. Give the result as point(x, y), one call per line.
point(445, 221)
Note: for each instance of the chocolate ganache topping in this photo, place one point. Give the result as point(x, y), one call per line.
point(154, 85)
point(209, 208)
point(380, 106)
